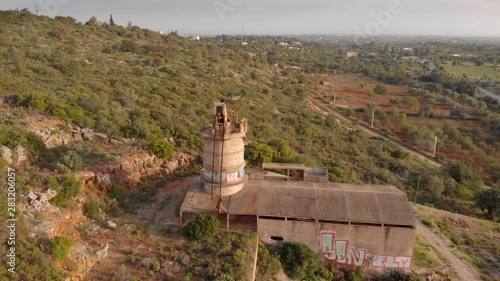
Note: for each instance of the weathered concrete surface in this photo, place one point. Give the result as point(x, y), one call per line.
point(376, 239)
point(223, 157)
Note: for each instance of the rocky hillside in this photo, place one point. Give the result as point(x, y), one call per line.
point(101, 123)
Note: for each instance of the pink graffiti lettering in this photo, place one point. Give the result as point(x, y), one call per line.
point(388, 261)
point(339, 251)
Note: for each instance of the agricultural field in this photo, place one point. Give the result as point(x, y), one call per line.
point(472, 71)
point(416, 117)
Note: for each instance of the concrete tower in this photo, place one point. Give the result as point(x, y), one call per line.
point(223, 159)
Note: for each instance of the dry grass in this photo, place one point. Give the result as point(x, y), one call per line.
point(477, 241)
point(424, 256)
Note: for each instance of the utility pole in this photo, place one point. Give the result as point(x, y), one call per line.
point(373, 117)
point(416, 191)
point(435, 146)
point(334, 101)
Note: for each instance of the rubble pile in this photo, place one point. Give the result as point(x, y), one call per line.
point(39, 201)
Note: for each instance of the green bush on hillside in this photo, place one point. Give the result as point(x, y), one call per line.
point(70, 161)
point(70, 187)
point(117, 192)
point(91, 209)
point(204, 227)
point(299, 262)
point(161, 149)
point(268, 263)
point(12, 137)
point(257, 153)
point(59, 247)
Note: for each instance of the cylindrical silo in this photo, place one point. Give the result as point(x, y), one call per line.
point(223, 159)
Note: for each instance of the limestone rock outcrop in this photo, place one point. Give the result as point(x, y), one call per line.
point(82, 261)
point(39, 201)
point(15, 156)
point(130, 169)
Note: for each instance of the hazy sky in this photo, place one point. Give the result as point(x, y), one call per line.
point(429, 17)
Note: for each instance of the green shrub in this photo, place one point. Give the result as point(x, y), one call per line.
point(400, 276)
point(70, 161)
point(202, 228)
point(427, 222)
point(154, 265)
point(355, 275)
point(12, 137)
point(70, 187)
point(91, 209)
point(299, 262)
point(161, 149)
point(469, 241)
point(380, 89)
point(268, 263)
point(257, 153)
point(59, 247)
point(455, 239)
point(117, 192)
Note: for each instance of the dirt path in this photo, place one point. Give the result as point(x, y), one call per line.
point(489, 94)
point(464, 271)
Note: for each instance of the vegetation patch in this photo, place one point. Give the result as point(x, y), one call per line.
point(59, 247)
point(204, 227)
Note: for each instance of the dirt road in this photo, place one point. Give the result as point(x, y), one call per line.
point(464, 271)
point(489, 94)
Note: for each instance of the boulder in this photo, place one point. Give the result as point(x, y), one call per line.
point(110, 224)
point(84, 176)
point(45, 226)
point(50, 193)
point(6, 154)
point(76, 128)
point(42, 197)
point(103, 179)
point(83, 260)
point(22, 155)
point(87, 134)
point(101, 136)
point(93, 231)
point(87, 131)
point(31, 196)
point(77, 137)
point(102, 253)
point(35, 203)
point(171, 166)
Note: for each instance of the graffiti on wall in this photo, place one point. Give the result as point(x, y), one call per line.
point(228, 177)
point(390, 261)
point(340, 251)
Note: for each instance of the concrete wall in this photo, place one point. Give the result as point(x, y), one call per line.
point(224, 160)
point(349, 245)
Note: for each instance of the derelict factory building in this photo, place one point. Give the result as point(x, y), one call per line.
point(351, 225)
